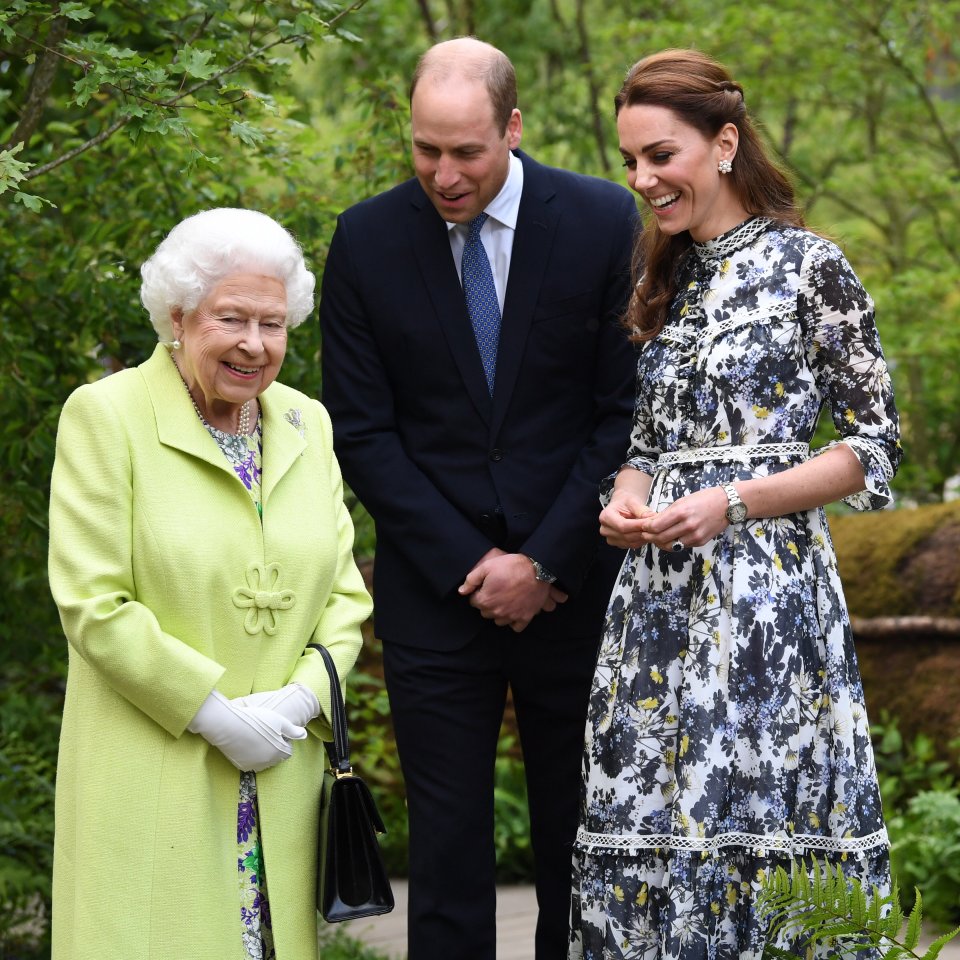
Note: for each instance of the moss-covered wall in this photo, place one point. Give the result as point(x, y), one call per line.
point(900, 562)
point(906, 563)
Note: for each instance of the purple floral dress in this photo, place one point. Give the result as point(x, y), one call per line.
point(727, 730)
point(245, 456)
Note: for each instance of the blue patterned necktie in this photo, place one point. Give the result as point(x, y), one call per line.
point(481, 295)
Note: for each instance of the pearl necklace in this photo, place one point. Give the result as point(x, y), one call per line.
point(243, 427)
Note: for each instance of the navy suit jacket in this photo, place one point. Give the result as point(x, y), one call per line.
point(445, 470)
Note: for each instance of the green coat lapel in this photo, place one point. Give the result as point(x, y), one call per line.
point(282, 442)
point(178, 425)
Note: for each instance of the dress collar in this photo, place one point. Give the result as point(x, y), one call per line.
point(741, 236)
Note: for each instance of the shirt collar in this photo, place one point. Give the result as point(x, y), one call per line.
point(505, 206)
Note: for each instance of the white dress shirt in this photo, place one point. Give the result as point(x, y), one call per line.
point(497, 233)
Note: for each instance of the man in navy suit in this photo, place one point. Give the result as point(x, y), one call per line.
point(476, 436)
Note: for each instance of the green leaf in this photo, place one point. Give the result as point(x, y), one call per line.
point(912, 935)
point(249, 134)
point(32, 202)
point(75, 11)
point(197, 63)
point(775, 953)
point(933, 951)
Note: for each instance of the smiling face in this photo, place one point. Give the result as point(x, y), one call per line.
point(233, 344)
point(460, 156)
point(674, 168)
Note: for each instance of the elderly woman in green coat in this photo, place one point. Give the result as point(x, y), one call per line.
point(199, 543)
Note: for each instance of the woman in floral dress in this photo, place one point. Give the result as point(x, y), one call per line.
point(727, 731)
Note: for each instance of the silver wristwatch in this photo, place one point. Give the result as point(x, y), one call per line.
point(737, 509)
point(541, 572)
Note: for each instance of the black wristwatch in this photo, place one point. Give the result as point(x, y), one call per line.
point(737, 510)
point(541, 572)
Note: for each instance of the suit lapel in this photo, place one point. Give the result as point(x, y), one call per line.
point(428, 234)
point(537, 221)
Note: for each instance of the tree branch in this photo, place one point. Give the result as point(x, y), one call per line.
point(171, 103)
point(837, 198)
point(345, 12)
point(889, 49)
point(946, 243)
point(594, 89)
point(76, 151)
point(176, 102)
point(428, 20)
point(40, 83)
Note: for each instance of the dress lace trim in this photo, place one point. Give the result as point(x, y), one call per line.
point(742, 453)
point(742, 235)
point(797, 843)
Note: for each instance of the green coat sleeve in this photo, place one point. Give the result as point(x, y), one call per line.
point(91, 569)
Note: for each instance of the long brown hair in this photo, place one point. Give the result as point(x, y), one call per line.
point(702, 94)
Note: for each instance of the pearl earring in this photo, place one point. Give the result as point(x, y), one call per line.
point(176, 344)
point(724, 166)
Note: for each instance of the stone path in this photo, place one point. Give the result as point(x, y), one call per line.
point(516, 919)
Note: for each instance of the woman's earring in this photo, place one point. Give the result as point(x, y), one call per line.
point(724, 166)
point(176, 344)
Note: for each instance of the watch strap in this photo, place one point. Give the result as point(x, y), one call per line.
point(541, 572)
point(736, 511)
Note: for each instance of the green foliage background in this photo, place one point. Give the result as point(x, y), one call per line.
point(118, 119)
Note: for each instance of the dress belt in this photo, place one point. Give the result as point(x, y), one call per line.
point(742, 453)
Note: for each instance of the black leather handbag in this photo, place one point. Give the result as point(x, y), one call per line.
point(351, 878)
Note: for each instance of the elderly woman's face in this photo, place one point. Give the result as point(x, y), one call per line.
point(233, 344)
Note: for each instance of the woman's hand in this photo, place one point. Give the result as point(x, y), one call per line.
point(622, 520)
point(294, 701)
point(692, 520)
point(251, 738)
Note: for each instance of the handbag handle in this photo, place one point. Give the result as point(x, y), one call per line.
point(339, 750)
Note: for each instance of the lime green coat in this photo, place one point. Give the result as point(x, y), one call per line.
point(169, 587)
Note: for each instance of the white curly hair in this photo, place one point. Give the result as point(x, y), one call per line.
point(203, 249)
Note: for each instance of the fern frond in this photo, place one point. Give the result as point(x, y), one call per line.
point(858, 905)
point(933, 951)
point(818, 905)
point(895, 916)
point(775, 953)
point(912, 936)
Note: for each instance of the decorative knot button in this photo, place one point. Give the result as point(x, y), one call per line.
point(261, 598)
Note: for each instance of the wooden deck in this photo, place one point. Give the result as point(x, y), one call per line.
point(516, 920)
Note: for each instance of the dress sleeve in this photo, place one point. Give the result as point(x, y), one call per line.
point(844, 353)
point(642, 453)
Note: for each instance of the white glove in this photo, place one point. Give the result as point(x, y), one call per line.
point(251, 738)
point(296, 702)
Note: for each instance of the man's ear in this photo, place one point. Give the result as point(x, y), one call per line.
point(514, 129)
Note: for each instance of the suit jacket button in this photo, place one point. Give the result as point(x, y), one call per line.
point(496, 455)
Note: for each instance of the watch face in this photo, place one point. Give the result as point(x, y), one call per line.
point(541, 574)
point(737, 512)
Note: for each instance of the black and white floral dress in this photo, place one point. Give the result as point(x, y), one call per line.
point(727, 729)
